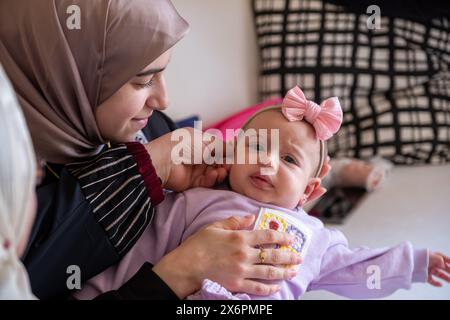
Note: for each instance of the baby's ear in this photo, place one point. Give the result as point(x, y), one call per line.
point(313, 185)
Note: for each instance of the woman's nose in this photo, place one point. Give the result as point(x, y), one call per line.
point(159, 98)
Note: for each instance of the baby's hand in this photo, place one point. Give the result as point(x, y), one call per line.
point(438, 266)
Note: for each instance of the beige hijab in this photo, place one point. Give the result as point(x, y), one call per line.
point(62, 74)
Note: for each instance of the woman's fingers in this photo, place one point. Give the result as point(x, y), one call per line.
point(204, 176)
point(222, 174)
point(325, 168)
point(262, 237)
point(258, 238)
point(207, 176)
point(227, 167)
point(265, 272)
point(317, 194)
point(257, 288)
point(235, 223)
point(210, 177)
point(275, 257)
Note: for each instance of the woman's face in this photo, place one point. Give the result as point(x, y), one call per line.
point(126, 112)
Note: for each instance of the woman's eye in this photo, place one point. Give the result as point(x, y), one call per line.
point(147, 84)
point(289, 159)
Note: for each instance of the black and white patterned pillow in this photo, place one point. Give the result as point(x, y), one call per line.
point(393, 82)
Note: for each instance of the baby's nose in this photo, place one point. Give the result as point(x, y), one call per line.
point(269, 164)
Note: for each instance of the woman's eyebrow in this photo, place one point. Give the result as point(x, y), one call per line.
point(149, 72)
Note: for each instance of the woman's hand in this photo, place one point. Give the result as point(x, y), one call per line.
point(316, 194)
point(224, 254)
point(179, 172)
point(438, 266)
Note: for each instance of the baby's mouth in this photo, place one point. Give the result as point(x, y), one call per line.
point(261, 182)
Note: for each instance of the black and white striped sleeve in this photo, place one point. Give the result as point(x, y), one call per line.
point(123, 189)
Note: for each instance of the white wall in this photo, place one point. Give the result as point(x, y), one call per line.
point(213, 71)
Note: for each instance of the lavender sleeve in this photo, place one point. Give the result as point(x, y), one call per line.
point(355, 273)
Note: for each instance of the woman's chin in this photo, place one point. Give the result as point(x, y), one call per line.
point(129, 136)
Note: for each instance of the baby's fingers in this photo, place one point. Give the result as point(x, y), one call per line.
point(441, 274)
point(446, 261)
point(433, 282)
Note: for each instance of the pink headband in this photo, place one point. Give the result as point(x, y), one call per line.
point(326, 118)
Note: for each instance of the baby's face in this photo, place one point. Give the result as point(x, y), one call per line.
point(293, 166)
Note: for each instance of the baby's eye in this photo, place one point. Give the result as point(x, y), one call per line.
point(289, 159)
point(257, 146)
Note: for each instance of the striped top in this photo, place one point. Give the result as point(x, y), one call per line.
point(123, 189)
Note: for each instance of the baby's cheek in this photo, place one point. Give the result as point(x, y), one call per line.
point(294, 188)
point(237, 176)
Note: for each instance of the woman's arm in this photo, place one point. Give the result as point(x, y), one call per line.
point(90, 217)
point(67, 230)
point(144, 285)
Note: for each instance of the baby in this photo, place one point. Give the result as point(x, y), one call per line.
point(328, 262)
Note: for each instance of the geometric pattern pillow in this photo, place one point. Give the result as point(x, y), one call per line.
point(393, 83)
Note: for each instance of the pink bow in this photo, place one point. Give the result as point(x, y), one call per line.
point(326, 118)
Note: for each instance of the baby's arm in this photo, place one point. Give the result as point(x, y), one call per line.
point(365, 273)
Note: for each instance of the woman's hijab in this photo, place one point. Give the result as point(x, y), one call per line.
point(17, 179)
point(65, 57)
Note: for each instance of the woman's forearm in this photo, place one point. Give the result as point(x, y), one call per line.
point(145, 284)
point(176, 277)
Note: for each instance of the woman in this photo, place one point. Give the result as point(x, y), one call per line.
point(17, 198)
point(82, 88)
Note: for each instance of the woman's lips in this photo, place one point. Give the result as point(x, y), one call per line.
point(141, 122)
point(261, 182)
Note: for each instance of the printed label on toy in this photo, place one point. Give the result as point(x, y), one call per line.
point(280, 221)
